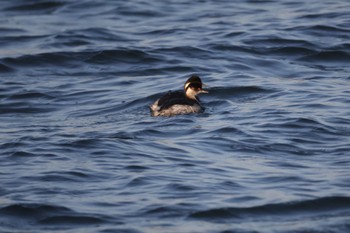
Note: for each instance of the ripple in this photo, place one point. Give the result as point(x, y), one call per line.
point(23, 108)
point(183, 51)
point(46, 6)
point(74, 58)
point(169, 211)
point(5, 68)
point(292, 51)
point(29, 95)
point(29, 214)
point(239, 92)
point(315, 207)
point(8, 30)
point(72, 220)
point(121, 55)
point(44, 59)
point(22, 154)
point(328, 57)
point(32, 210)
point(136, 168)
point(84, 36)
point(279, 42)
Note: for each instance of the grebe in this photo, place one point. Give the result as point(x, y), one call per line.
point(180, 102)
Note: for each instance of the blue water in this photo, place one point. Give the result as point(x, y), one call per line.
point(79, 151)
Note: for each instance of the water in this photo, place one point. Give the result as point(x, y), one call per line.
point(79, 151)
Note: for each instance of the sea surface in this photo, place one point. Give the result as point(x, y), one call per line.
point(80, 152)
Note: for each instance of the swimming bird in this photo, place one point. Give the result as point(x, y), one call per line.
point(180, 102)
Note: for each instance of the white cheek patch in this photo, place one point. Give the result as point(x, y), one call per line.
point(191, 94)
point(186, 85)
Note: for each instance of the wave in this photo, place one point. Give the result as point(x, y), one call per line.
point(276, 41)
point(6, 30)
point(183, 51)
point(45, 214)
point(291, 51)
point(238, 93)
point(45, 59)
point(87, 36)
point(121, 55)
point(316, 207)
point(68, 59)
point(45, 6)
point(27, 102)
point(337, 57)
point(29, 95)
point(19, 107)
point(5, 68)
point(240, 90)
point(328, 28)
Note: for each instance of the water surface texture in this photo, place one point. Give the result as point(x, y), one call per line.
point(79, 151)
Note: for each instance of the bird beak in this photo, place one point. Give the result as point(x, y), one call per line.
point(204, 91)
